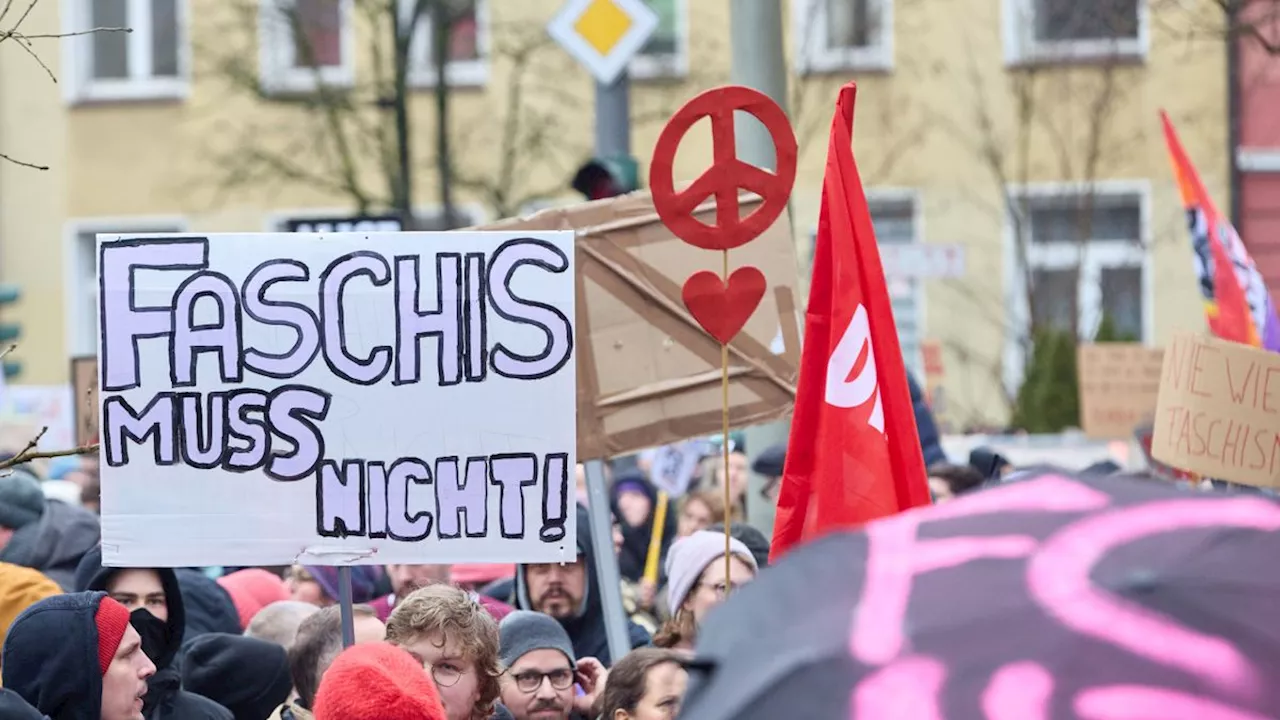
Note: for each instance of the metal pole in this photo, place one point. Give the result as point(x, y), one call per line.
point(758, 61)
point(608, 579)
point(345, 607)
point(755, 32)
point(613, 118)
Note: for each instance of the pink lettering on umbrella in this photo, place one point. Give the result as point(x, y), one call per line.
point(1058, 579)
point(1137, 702)
point(1018, 691)
point(895, 556)
point(907, 688)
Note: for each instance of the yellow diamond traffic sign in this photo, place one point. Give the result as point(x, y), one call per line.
point(602, 25)
point(603, 35)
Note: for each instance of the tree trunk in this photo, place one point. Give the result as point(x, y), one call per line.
point(402, 192)
point(441, 24)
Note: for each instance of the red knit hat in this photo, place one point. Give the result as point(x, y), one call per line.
point(377, 681)
point(112, 619)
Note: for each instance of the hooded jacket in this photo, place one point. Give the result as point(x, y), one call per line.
point(13, 707)
point(55, 543)
point(51, 657)
point(586, 628)
point(210, 609)
point(635, 540)
point(165, 698)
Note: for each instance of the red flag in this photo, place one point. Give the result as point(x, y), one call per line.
point(854, 454)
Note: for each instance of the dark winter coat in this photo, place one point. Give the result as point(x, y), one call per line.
point(165, 698)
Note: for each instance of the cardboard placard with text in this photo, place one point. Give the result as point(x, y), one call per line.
point(648, 374)
point(1119, 383)
point(84, 398)
point(1219, 411)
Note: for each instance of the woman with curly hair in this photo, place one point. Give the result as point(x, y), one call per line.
point(456, 640)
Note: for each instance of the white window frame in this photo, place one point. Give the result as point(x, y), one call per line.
point(900, 196)
point(276, 220)
point(81, 86)
point(1101, 254)
point(74, 294)
point(910, 196)
point(1258, 160)
point(809, 19)
point(276, 70)
point(655, 67)
point(458, 73)
point(1022, 48)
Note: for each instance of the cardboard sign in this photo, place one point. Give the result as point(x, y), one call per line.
point(347, 399)
point(84, 399)
point(648, 375)
point(1118, 387)
point(1219, 411)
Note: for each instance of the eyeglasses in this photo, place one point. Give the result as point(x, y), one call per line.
point(530, 680)
point(445, 675)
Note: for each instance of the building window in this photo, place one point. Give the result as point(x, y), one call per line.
point(148, 63)
point(666, 53)
point(305, 43)
point(468, 45)
point(1086, 259)
point(836, 35)
point(895, 223)
point(1067, 30)
point(82, 288)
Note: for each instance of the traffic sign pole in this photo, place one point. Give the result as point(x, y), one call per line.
point(758, 61)
point(613, 120)
point(604, 35)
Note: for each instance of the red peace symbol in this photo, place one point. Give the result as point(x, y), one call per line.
point(727, 173)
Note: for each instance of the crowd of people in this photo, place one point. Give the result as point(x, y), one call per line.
point(84, 641)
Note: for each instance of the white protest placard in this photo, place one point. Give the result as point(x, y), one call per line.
point(352, 398)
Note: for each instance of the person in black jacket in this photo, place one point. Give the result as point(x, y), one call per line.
point(161, 621)
point(13, 707)
point(75, 657)
point(926, 427)
point(568, 592)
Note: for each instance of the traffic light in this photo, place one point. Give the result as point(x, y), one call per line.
point(607, 177)
point(9, 331)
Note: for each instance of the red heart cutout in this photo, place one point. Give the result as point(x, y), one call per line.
point(722, 310)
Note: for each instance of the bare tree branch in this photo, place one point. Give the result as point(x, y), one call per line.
point(14, 32)
point(348, 141)
point(29, 453)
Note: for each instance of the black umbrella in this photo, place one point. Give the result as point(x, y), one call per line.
point(1051, 597)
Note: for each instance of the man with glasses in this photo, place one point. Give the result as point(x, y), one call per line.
point(456, 640)
point(543, 680)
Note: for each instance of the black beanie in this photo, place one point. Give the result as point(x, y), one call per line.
point(247, 676)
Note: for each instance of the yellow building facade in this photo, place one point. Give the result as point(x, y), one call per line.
point(198, 120)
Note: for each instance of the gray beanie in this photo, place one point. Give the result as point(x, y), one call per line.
point(21, 499)
point(690, 556)
point(523, 631)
